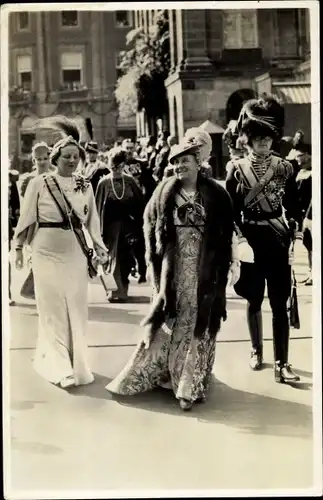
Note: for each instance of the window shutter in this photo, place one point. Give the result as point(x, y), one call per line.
point(24, 64)
point(249, 29)
point(71, 60)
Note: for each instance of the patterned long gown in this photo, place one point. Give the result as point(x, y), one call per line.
point(175, 356)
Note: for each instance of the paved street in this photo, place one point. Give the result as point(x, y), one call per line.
point(252, 432)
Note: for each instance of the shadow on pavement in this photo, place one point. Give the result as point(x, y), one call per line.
point(95, 390)
point(301, 373)
point(34, 447)
point(114, 315)
point(246, 412)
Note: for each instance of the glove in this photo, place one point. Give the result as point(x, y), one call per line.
point(245, 252)
point(234, 273)
point(307, 224)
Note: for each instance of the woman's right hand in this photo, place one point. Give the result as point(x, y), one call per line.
point(19, 258)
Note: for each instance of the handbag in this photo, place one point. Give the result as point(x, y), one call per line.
point(28, 288)
point(74, 223)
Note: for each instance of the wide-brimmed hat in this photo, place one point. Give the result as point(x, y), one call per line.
point(91, 147)
point(195, 140)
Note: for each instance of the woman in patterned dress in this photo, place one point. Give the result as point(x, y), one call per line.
point(60, 266)
point(188, 227)
point(120, 205)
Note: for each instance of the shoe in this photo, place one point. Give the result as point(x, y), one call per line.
point(256, 334)
point(256, 359)
point(185, 405)
point(133, 272)
point(201, 400)
point(142, 279)
point(284, 374)
point(12, 303)
point(67, 382)
point(309, 282)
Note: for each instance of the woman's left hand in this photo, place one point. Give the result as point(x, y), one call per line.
point(102, 256)
point(234, 273)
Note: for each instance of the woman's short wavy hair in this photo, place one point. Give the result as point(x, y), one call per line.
point(61, 144)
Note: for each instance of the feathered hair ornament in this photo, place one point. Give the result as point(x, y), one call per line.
point(69, 131)
point(263, 116)
point(231, 134)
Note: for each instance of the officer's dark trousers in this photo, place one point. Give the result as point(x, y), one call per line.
point(271, 266)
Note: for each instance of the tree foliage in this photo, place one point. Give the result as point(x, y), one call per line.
point(145, 66)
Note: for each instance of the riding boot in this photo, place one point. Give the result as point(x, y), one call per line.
point(283, 371)
point(255, 329)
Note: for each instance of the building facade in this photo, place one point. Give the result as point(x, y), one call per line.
point(220, 58)
point(65, 62)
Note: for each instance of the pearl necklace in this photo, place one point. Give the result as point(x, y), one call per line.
point(123, 188)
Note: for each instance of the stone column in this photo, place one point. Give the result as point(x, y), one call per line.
point(96, 54)
point(195, 40)
point(172, 29)
point(40, 56)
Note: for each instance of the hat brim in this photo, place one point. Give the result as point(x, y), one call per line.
point(181, 151)
point(91, 150)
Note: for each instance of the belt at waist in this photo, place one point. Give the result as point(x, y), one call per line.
point(263, 216)
point(256, 222)
point(61, 225)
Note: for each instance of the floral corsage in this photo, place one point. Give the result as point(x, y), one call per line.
point(82, 183)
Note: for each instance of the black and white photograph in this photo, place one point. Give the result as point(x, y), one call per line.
point(161, 250)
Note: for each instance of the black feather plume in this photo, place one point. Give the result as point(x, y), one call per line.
point(64, 125)
point(89, 127)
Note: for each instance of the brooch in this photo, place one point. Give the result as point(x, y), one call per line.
point(82, 183)
point(86, 209)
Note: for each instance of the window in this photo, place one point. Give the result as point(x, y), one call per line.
point(72, 70)
point(23, 21)
point(24, 66)
point(287, 42)
point(123, 19)
point(240, 29)
point(69, 18)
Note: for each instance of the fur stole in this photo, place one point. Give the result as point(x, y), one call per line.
point(215, 253)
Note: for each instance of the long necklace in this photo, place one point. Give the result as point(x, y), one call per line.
point(123, 188)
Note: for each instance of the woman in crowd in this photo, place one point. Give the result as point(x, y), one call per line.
point(233, 142)
point(55, 208)
point(41, 165)
point(120, 204)
point(162, 156)
point(304, 186)
point(188, 228)
point(260, 188)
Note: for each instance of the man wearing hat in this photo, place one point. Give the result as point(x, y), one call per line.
point(138, 168)
point(260, 186)
point(94, 169)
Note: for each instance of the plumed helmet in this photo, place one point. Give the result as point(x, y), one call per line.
point(262, 116)
point(195, 141)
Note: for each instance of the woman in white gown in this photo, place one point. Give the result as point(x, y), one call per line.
point(60, 265)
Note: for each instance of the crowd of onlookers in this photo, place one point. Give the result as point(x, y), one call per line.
point(146, 160)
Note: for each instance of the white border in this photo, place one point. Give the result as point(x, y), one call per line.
point(317, 342)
